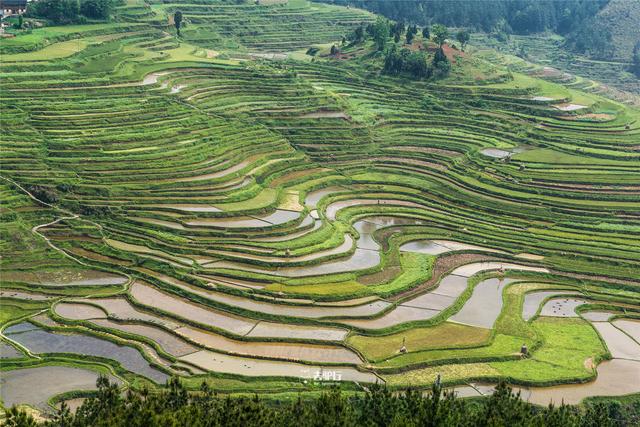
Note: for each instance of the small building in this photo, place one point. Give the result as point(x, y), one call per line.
point(12, 7)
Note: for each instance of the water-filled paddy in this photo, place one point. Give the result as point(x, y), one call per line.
point(167, 341)
point(615, 378)
point(479, 311)
point(485, 304)
point(570, 107)
point(438, 247)
point(77, 311)
point(41, 341)
point(400, 314)
point(281, 330)
point(562, 307)
point(151, 297)
point(630, 327)
point(620, 345)
point(259, 368)
point(333, 208)
point(35, 386)
point(597, 316)
point(288, 351)
point(471, 269)
point(120, 308)
point(533, 300)
point(496, 153)
point(313, 197)
point(366, 309)
point(7, 351)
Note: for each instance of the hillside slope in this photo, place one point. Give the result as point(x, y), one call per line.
point(622, 18)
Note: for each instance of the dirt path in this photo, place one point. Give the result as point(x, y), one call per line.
point(68, 215)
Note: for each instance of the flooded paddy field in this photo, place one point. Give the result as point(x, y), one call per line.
point(615, 378)
point(167, 341)
point(485, 304)
point(35, 386)
point(40, 341)
point(533, 301)
point(151, 297)
point(8, 351)
point(253, 367)
point(288, 351)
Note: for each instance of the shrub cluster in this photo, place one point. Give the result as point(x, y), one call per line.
point(62, 12)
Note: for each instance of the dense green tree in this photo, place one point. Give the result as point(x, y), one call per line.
point(63, 12)
point(96, 9)
point(177, 21)
point(358, 34)
point(18, 25)
point(18, 418)
point(411, 33)
point(392, 61)
point(405, 61)
point(417, 65)
point(594, 39)
point(410, 37)
point(635, 66)
point(380, 33)
point(398, 29)
point(463, 37)
point(425, 33)
point(59, 12)
point(441, 63)
point(440, 34)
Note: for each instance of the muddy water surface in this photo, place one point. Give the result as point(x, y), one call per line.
point(532, 301)
point(254, 367)
point(485, 304)
point(34, 386)
point(41, 341)
point(615, 378)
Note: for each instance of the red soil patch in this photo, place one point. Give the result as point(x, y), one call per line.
point(452, 53)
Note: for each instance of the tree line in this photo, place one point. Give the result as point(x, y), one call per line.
point(517, 16)
point(64, 12)
point(377, 406)
point(574, 19)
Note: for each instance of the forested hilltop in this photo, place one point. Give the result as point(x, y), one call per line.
point(599, 28)
point(598, 40)
point(513, 16)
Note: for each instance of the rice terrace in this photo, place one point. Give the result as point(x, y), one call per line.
point(287, 197)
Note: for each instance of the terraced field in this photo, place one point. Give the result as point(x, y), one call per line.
point(553, 62)
point(187, 207)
